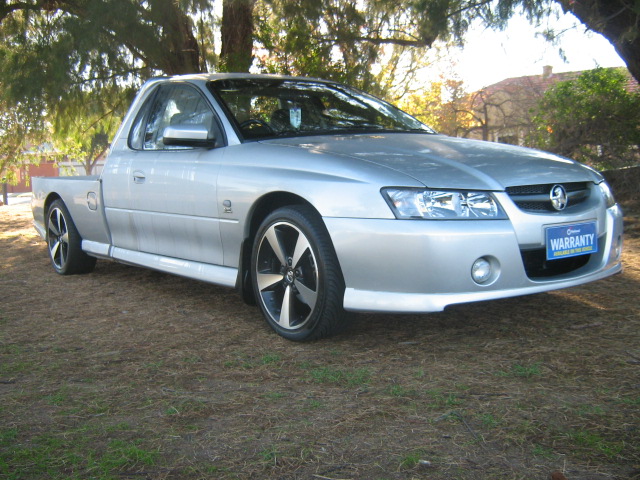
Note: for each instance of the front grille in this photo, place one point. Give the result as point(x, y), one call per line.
point(537, 266)
point(536, 198)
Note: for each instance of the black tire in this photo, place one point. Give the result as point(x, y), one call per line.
point(296, 276)
point(64, 242)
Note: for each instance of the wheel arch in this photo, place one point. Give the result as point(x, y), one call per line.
point(260, 210)
point(52, 197)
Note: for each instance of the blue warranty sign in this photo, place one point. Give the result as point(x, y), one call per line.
point(571, 240)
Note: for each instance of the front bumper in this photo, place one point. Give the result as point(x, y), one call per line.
point(413, 266)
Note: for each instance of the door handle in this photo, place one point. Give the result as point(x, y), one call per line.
point(138, 177)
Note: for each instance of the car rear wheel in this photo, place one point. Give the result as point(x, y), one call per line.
point(296, 276)
point(64, 242)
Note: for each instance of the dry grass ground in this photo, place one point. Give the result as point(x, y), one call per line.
point(127, 373)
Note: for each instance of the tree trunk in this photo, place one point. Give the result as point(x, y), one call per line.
point(617, 21)
point(183, 55)
point(630, 53)
point(237, 35)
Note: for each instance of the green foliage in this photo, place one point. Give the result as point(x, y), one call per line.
point(376, 45)
point(399, 391)
point(67, 46)
point(73, 64)
point(21, 130)
point(594, 119)
point(522, 371)
point(62, 70)
point(85, 122)
point(413, 459)
point(271, 358)
point(67, 49)
point(270, 454)
point(78, 453)
point(595, 443)
point(440, 399)
point(541, 451)
point(489, 420)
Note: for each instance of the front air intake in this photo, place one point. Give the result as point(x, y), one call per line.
point(537, 198)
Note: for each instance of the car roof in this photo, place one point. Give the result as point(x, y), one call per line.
point(208, 77)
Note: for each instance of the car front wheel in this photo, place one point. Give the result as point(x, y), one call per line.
point(64, 242)
point(296, 275)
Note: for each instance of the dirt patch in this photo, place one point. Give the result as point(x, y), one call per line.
point(129, 373)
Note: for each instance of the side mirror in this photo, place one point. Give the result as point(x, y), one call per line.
point(188, 136)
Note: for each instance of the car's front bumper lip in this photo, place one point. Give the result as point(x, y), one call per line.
point(422, 266)
point(393, 302)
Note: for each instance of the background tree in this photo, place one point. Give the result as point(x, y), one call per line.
point(593, 119)
point(502, 112)
point(617, 20)
point(20, 132)
point(360, 43)
point(445, 106)
point(66, 47)
point(237, 35)
point(83, 125)
point(63, 43)
point(58, 58)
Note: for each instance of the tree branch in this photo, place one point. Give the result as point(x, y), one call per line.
point(6, 10)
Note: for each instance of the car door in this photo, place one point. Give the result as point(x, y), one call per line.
point(172, 189)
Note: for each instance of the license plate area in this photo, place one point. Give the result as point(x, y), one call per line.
point(564, 241)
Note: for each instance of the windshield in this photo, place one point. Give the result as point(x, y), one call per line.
point(266, 108)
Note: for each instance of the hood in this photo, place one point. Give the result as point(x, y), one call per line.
point(438, 161)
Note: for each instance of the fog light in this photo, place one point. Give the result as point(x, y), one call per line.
point(481, 270)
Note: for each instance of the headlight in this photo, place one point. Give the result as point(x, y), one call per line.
point(607, 194)
point(442, 205)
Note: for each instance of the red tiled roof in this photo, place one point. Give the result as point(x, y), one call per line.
point(538, 84)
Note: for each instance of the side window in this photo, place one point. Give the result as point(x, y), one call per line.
point(170, 105)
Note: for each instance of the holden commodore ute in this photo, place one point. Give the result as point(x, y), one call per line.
point(314, 199)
